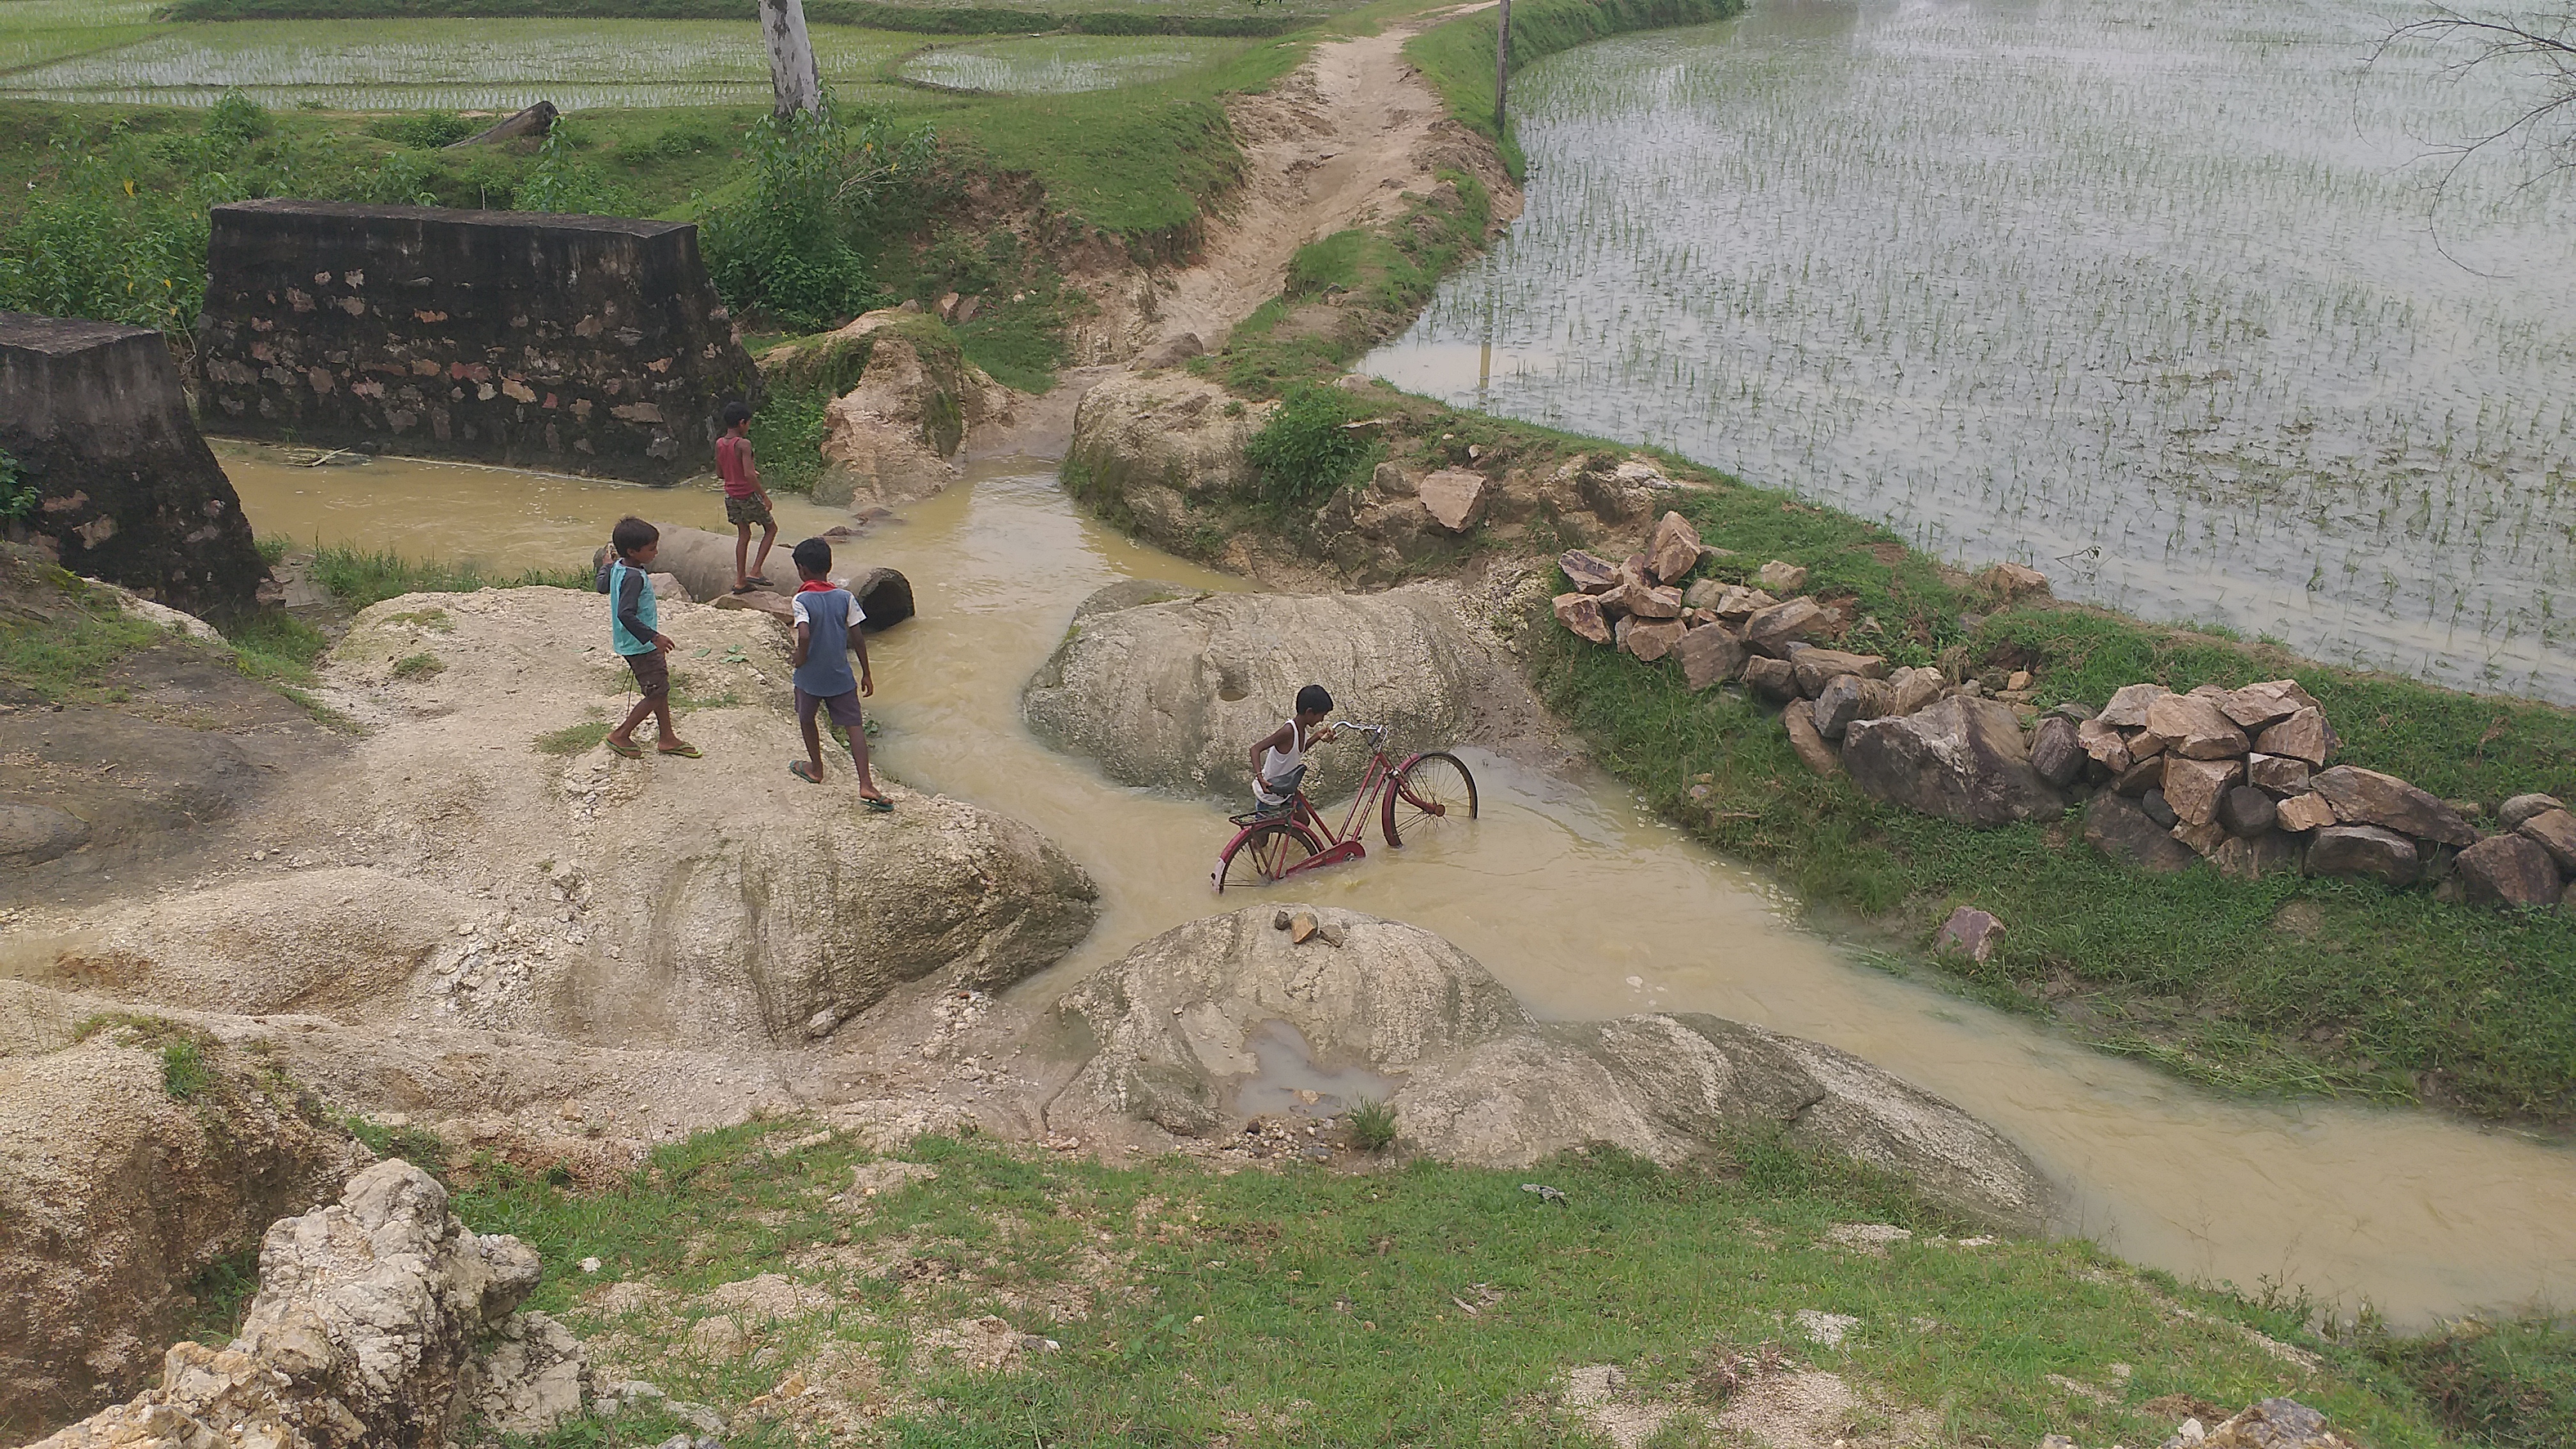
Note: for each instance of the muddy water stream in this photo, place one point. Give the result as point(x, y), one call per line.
point(1575, 897)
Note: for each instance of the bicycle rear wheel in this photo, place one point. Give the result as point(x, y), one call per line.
point(1262, 855)
point(1433, 794)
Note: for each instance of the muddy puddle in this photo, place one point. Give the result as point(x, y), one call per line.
point(2188, 310)
point(1581, 902)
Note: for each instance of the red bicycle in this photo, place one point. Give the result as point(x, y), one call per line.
point(1429, 792)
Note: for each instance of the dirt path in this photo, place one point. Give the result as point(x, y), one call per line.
point(1338, 142)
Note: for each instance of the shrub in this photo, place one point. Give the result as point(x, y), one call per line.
point(820, 180)
point(1306, 451)
point(427, 130)
point(17, 496)
point(417, 666)
point(563, 181)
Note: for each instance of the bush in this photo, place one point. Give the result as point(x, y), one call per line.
point(18, 497)
point(1373, 1126)
point(427, 130)
point(1306, 452)
point(564, 182)
point(820, 181)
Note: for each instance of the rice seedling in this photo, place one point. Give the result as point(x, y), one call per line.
point(2167, 300)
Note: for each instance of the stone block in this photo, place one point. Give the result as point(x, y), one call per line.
point(1961, 759)
point(2117, 827)
point(1780, 577)
point(580, 344)
point(2303, 812)
point(2520, 808)
point(2128, 707)
point(1771, 678)
point(2104, 744)
point(1582, 614)
point(2305, 735)
point(1772, 630)
point(2192, 787)
point(2508, 870)
point(2278, 774)
point(1709, 655)
point(2258, 705)
point(2257, 856)
point(2194, 727)
point(1455, 497)
point(2054, 752)
point(127, 491)
point(2367, 797)
point(1818, 756)
point(2364, 850)
point(1589, 573)
point(1673, 551)
point(2556, 832)
point(1650, 639)
point(2246, 812)
point(1817, 666)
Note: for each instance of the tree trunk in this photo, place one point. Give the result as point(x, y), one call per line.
point(794, 78)
point(1502, 66)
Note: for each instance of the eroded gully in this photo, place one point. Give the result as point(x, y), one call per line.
point(1575, 897)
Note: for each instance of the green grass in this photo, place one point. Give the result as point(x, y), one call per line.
point(2287, 984)
point(1137, 17)
point(417, 666)
point(359, 577)
point(1310, 1306)
point(2510, 1384)
point(183, 1068)
point(67, 659)
point(574, 739)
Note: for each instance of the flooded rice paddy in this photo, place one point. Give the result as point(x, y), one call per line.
point(1569, 891)
point(2181, 304)
point(1059, 64)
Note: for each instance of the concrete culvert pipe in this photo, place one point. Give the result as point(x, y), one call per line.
point(702, 560)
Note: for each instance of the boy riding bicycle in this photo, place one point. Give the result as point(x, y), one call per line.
point(1278, 758)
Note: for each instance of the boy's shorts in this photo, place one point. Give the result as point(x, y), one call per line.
point(843, 707)
point(652, 672)
point(746, 509)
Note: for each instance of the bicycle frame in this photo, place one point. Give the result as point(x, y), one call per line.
point(1345, 843)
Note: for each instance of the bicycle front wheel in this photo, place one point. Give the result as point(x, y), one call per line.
point(1432, 795)
point(1264, 854)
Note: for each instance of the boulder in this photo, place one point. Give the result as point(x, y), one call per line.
point(1673, 551)
point(1772, 630)
point(891, 438)
point(1582, 614)
point(2140, 777)
point(2278, 775)
point(1170, 694)
point(2193, 787)
point(2303, 812)
point(1455, 497)
point(2274, 1424)
point(1710, 655)
point(2367, 797)
point(1172, 1033)
point(1812, 749)
point(2128, 707)
point(1912, 688)
point(2556, 832)
point(117, 1191)
point(1842, 701)
point(1146, 447)
point(2055, 752)
point(368, 1313)
point(1816, 666)
point(2104, 745)
point(2508, 870)
point(1961, 759)
point(2194, 727)
point(2258, 705)
point(2364, 850)
point(1588, 573)
point(2158, 809)
point(2305, 735)
point(1650, 639)
point(2257, 856)
point(1644, 600)
point(2145, 745)
point(2247, 812)
point(1969, 932)
point(2010, 581)
point(554, 893)
point(2520, 808)
point(1773, 679)
point(1779, 577)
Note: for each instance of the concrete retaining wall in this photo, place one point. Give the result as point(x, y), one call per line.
point(128, 491)
point(580, 344)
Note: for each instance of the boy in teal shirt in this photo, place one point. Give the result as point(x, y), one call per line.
point(632, 632)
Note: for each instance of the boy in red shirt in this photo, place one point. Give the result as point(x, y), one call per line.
point(746, 502)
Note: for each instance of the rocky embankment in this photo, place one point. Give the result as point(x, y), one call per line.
point(2243, 777)
point(1475, 1078)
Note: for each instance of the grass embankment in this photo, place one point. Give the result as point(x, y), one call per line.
point(2287, 983)
point(1311, 1306)
point(1356, 288)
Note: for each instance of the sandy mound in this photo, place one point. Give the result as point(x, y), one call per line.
point(495, 867)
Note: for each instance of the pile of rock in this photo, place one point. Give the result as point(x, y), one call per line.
point(2244, 777)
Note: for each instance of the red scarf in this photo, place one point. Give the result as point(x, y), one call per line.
point(816, 586)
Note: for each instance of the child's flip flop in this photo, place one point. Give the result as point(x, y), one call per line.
point(804, 772)
point(626, 751)
point(685, 752)
point(878, 803)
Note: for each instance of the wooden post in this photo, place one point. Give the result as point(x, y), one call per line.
point(1502, 63)
point(795, 80)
